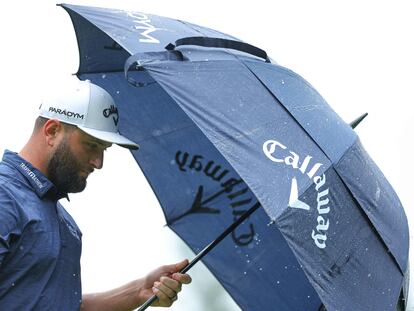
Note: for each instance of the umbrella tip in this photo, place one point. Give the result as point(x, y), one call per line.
point(358, 120)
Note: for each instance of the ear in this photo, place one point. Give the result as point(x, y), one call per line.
point(52, 131)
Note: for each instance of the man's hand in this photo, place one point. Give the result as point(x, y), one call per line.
point(165, 282)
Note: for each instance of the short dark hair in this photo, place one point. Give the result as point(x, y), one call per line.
point(41, 121)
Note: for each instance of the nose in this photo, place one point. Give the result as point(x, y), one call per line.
point(97, 160)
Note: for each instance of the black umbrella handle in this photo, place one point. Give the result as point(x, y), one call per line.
point(207, 249)
point(220, 43)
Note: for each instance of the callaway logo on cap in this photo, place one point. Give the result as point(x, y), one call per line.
point(91, 109)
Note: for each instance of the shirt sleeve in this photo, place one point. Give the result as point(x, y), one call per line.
point(9, 220)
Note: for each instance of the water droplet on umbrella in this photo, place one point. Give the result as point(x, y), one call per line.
point(369, 275)
point(12, 284)
point(156, 132)
point(103, 76)
point(244, 272)
point(260, 269)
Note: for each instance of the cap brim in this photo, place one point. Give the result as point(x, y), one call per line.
point(110, 137)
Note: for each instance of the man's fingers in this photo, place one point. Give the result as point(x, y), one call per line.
point(169, 284)
point(182, 278)
point(163, 299)
point(181, 265)
point(175, 267)
point(174, 285)
point(166, 290)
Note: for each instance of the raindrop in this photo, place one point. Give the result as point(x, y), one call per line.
point(366, 249)
point(12, 284)
point(118, 92)
point(103, 76)
point(278, 282)
point(286, 267)
point(74, 275)
point(369, 275)
point(248, 261)
point(156, 132)
point(308, 296)
point(283, 81)
point(260, 269)
point(244, 272)
point(21, 247)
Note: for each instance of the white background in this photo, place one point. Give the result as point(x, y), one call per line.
point(357, 54)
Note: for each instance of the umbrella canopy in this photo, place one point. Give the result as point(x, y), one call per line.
point(221, 128)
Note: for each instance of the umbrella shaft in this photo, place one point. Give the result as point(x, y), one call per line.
point(208, 248)
point(225, 233)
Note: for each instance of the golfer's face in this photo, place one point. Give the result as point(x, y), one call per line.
point(88, 151)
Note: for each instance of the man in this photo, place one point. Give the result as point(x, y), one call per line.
point(40, 243)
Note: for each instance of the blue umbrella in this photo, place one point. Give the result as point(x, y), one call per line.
point(224, 130)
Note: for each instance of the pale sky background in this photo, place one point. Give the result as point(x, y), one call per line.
point(357, 54)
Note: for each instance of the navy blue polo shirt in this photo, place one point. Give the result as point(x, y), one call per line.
point(40, 243)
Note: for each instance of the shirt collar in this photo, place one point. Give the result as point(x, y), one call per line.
point(39, 182)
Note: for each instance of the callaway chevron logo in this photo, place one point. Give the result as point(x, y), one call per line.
point(279, 153)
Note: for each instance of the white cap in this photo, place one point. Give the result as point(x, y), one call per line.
point(91, 109)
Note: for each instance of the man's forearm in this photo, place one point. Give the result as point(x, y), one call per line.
point(124, 298)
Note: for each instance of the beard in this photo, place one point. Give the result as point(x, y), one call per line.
point(64, 169)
